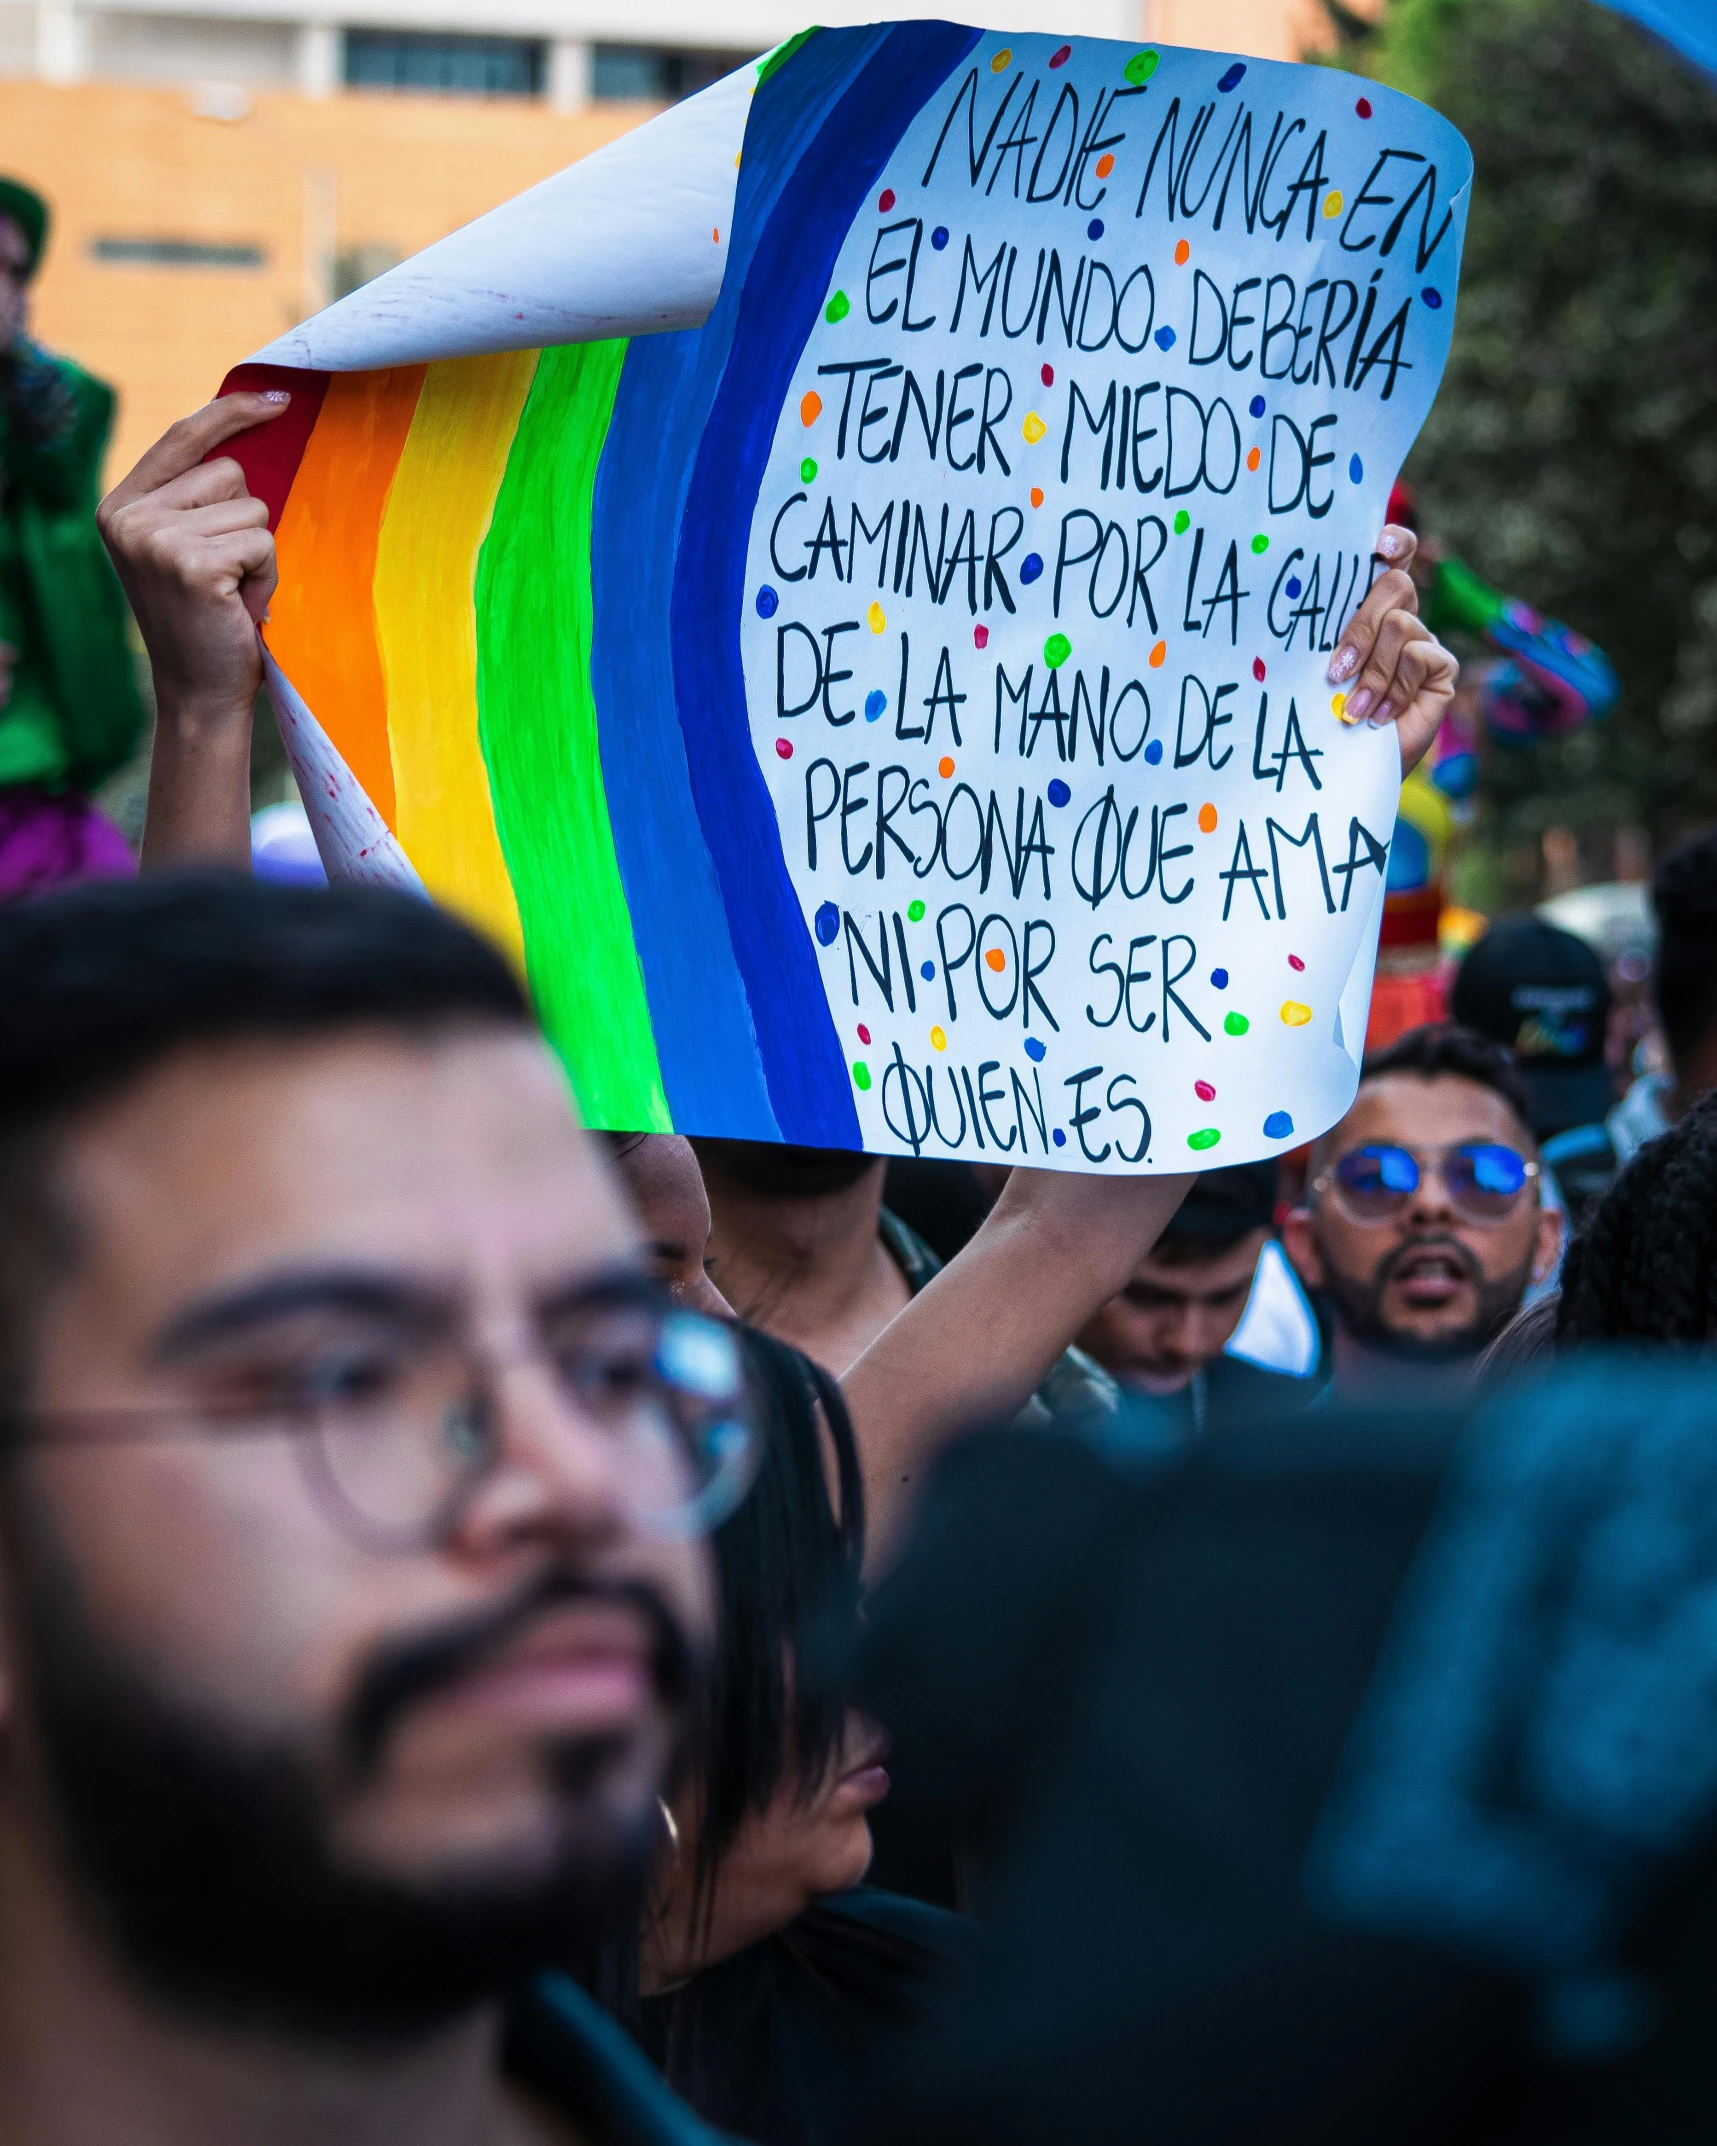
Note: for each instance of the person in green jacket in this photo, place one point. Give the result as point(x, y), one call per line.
point(70, 710)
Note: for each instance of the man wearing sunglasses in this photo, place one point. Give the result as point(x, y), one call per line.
point(1423, 1226)
point(351, 1475)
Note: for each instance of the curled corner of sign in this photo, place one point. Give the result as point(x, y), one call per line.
point(353, 841)
point(1353, 1008)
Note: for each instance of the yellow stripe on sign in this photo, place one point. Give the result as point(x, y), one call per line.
point(426, 569)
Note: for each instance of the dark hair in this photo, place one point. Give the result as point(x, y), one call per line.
point(1223, 1208)
point(101, 982)
point(1526, 1344)
point(1447, 1048)
point(1684, 894)
point(788, 1564)
point(1644, 1268)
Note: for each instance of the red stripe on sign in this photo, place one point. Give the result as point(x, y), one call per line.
point(269, 454)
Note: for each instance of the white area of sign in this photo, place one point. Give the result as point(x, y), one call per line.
point(1094, 736)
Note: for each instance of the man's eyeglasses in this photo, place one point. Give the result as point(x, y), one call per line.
point(1484, 1180)
point(396, 1428)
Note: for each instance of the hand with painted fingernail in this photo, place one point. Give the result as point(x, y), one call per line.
point(194, 552)
point(1394, 669)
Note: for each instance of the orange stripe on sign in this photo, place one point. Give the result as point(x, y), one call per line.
point(322, 622)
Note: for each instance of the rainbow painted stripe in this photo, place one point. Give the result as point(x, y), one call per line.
point(510, 594)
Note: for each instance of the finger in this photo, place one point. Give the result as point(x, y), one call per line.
point(259, 584)
point(183, 445)
point(220, 479)
point(1372, 685)
point(1424, 669)
point(226, 561)
point(1393, 590)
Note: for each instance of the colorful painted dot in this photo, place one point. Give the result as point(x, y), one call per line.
point(1332, 204)
point(1182, 253)
point(1046, 374)
point(838, 307)
point(1037, 495)
point(980, 637)
point(1204, 1091)
point(945, 766)
point(1061, 55)
point(927, 969)
point(885, 200)
point(1256, 406)
point(1295, 963)
point(876, 618)
point(995, 960)
point(1260, 543)
point(1235, 1024)
point(1219, 979)
point(1165, 338)
point(861, 1074)
point(1206, 1139)
point(999, 64)
point(1030, 567)
point(1158, 655)
point(1094, 229)
point(1059, 1137)
point(1338, 707)
point(863, 1033)
point(1207, 819)
point(1056, 650)
point(938, 1039)
point(1356, 469)
point(768, 603)
point(939, 237)
point(1141, 66)
point(1432, 298)
point(1362, 106)
point(914, 912)
point(1182, 522)
point(783, 749)
point(1033, 429)
point(1034, 1050)
point(1294, 1015)
point(1278, 1125)
point(828, 924)
point(807, 471)
point(1058, 792)
point(874, 703)
point(1153, 752)
point(1105, 165)
point(1258, 668)
point(1254, 456)
point(1232, 80)
point(810, 407)
point(1293, 584)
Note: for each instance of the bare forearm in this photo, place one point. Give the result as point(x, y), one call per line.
point(199, 786)
point(979, 1339)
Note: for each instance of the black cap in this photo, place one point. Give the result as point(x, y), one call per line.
point(1543, 993)
point(1226, 1205)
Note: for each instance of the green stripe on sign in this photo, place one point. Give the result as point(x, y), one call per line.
point(537, 724)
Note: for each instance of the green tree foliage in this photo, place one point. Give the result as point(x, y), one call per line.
point(1571, 457)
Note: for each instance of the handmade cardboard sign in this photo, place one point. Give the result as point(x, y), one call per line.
point(892, 713)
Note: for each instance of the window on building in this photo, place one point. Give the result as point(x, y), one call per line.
point(176, 253)
point(653, 74)
point(464, 66)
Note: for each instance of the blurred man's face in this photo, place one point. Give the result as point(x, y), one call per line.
point(1175, 1315)
point(296, 1771)
point(14, 282)
point(1430, 1280)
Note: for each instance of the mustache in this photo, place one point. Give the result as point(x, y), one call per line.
point(1431, 1241)
point(404, 1672)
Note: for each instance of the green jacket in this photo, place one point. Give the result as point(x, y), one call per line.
point(75, 712)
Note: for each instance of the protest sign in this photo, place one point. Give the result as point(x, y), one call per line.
point(893, 712)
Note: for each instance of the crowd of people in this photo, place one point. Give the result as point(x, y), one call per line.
point(509, 1634)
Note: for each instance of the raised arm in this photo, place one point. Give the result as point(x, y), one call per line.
point(194, 553)
point(977, 1341)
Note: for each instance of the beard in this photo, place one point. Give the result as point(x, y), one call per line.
point(209, 1861)
point(781, 1172)
point(1359, 1300)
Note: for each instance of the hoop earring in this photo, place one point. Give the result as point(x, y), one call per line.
point(671, 1826)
